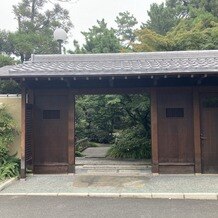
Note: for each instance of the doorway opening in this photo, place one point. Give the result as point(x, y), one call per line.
point(113, 134)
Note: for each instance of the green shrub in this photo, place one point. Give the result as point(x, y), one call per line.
point(78, 154)
point(9, 164)
point(100, 136)
point(131, 143)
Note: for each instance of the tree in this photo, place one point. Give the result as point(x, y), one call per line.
point(134, 139)
point(126, 116)
point(198, 32)
point(101, 39)
point(6, 60)
point(149, 40)
point(95, 117)
point(126, 25)
point(5, 44)
point(7, 86)
point(161, 18)
point(210, 6)
point(35, 28)
point(32, 17)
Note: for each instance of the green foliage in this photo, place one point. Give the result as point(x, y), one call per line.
point(95, 118)
point(9, 165)
point(6, 60)
point(9, 87)
point(33, 42)
point(35, 29)
point(7, 127)
point(126, 24)
point(100, 117)
point(101, 39)
point(132, 143)
point(136, 111)
point(5, 45)
point(199, 32)
point(210, 6)
point(32, 16)
point(162, 18)
point(6, 86)
point(78, 154)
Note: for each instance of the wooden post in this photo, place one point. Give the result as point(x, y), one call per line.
point(197, 130)
point(154, 131)
point(71, 133)
point(23, 133)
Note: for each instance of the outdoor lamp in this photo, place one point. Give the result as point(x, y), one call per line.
point(60, 36)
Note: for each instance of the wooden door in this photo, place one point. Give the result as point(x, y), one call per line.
point(209, 133)
point(175, 127)
point(51, 133)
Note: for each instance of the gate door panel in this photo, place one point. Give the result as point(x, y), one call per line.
point(209, 133)
point(51, 133)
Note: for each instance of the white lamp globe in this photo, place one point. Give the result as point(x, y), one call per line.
point(60, 34)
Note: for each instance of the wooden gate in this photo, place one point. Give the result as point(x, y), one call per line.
point(51, 132)
point(209, 133)
point(175, 131)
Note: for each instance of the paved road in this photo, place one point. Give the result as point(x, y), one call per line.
point(86, 207)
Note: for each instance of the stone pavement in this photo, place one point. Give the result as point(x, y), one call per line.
point(103, 177)
point(95, 152)
point(150, 186)
point(96, 162)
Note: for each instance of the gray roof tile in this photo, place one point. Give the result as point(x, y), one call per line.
point(151, 63)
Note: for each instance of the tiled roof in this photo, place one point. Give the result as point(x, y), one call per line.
point(151, 63)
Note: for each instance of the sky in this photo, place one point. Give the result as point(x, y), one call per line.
point(84, 13)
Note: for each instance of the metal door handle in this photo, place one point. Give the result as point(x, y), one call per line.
point(203, 137)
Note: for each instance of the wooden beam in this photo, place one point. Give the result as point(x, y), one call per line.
point(71, 133)
point(197, 130)
point(94, 91)
point(154, 131)
point(23, 133)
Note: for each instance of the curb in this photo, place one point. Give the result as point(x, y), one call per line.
point(187, 196)
point(7, 183)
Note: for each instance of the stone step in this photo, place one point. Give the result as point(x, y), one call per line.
point(113, 170)
point(115, 167)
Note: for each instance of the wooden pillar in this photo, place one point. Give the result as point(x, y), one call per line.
point(197, 130)
point(154, 131)
point(71, 133)
point(23, 133)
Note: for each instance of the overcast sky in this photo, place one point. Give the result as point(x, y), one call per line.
point(85, 13)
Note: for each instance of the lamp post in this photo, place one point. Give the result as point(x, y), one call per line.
point(60, 36)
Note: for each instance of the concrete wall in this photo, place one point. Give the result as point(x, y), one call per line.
point(13, 106)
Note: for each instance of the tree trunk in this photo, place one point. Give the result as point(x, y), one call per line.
point(33, 10)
